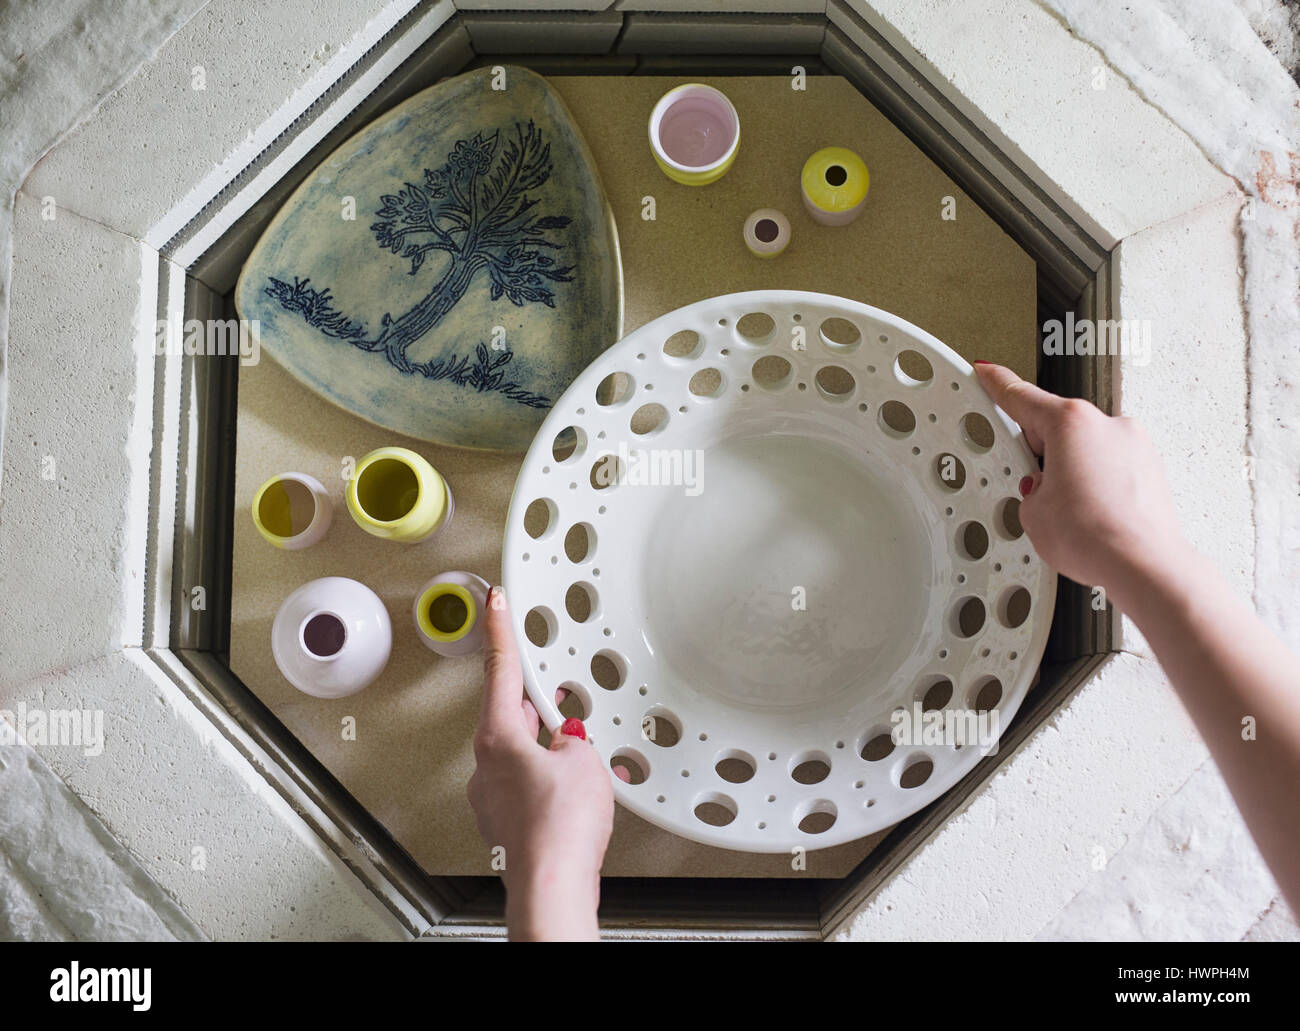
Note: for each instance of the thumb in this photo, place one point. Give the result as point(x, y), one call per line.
point(571, 732)
point(502, 679)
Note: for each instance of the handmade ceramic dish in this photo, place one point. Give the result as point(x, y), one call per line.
point(447, 271)
point(751, 538)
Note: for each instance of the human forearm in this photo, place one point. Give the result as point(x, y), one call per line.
point(546, 810)
point(550, 901)
point(1101, 513)
point(1240, 685)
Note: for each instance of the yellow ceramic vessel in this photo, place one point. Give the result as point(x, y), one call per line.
point(292, 511)
point(395, 494)
point(449, 612)
point(834, 184)
point(424, 608)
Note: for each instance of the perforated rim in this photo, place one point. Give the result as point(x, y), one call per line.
point(690, 786)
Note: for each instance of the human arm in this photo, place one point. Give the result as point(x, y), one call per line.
point(1100, 513)
point(550, 809)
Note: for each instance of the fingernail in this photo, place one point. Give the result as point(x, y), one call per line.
point(573, 728)
point(496, 598)
point(1026, 485)
point(980, 361)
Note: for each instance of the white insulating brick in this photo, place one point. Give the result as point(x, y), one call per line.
point(1192, 873)
point(63, 877)
point(75, 458)
point(1048, 99)
point(1182, 279)
point(218, 92)
point(199, 819)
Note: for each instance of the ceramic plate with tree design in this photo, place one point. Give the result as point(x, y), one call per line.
point(449, 270)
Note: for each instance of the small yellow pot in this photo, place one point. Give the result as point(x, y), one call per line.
point(395, 494)
point(449, 611)
point(834, 185)
point(694, 134)
point(292, 511)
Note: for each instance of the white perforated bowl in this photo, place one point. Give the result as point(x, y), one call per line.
point(780, 565)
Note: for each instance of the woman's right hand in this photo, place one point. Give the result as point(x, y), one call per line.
point(1100, 510)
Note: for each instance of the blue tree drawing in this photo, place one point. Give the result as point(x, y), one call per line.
point(476, 209)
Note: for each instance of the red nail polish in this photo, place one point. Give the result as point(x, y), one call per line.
point(573, 728)
point(1026, 485)
point(980, 361)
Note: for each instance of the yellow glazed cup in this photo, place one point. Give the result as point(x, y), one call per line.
point(426, 605)
point(694, 134)
point(395, 494)
point(292, 511)
point(834, 183)
point(449, 613)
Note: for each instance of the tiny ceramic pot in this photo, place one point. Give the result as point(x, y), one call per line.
point(767, 232)
point(395, 494)
point(292, 511)
point(694, 134)
point(834, 184)
point(332, 637)
point(449, 611)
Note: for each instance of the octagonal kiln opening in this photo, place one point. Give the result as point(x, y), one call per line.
point(201, 396)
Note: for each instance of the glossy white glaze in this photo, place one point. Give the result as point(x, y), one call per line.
point(799, 581)
point(343, 664)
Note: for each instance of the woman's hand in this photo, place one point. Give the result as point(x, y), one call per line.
point(1100, 512)
point(550, 809)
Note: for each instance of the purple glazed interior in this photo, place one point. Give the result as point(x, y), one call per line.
point(697, 129)
point(324, 634)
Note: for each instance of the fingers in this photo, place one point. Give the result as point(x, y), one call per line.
point(501, 713)
point(571, 732)
point(1030, 405)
